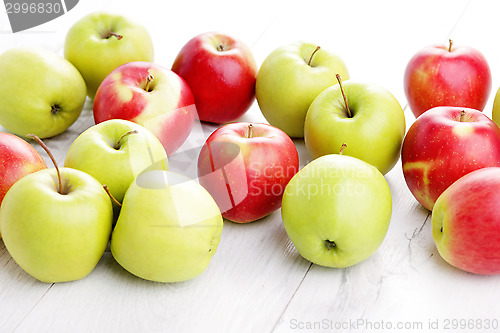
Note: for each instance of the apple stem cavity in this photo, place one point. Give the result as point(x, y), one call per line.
point(250, 131)
point(342, 148)
point(330, 244)
point(450, 45)
point(40, 142)
point(105, 187)
point(149, 80)
point(119, 142)
point(348, 111)
point(113, 34)
point(312, 55)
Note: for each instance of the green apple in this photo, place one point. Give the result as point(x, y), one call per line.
point(496, 108)
point(40, 92)
point(289, 80)
point(115, 152)
point(56, 234)
point(372, 124)
point(100, 42)
point(169, 228)
point(337, 210)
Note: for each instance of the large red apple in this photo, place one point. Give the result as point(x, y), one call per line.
point(450, 75)
point(221, 72)
point(246, 167)
point(151, 96)
point(444, 144)
point(466, 222)
point(17, 159)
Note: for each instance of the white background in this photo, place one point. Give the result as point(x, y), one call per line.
point(257, 282)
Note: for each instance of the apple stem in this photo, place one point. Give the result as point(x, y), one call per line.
point(312, 55)
point(462, 115)
point(40, 142)
point(118, 143)
point(221, 47)
point(339, 79)
point(451, 44)
point(250, 131)
point(105, 187)
point(342, 148)
point(114, 34)
point(149, 79)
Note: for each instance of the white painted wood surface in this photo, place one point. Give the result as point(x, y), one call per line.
point(257, 282)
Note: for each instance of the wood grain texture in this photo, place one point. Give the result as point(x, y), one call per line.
point(257, 281)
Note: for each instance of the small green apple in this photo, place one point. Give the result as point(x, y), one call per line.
point(290, 79)
point(100, 42)
point(337, 210)
point(496, 108)
point(115, 152)
point(56, 234)
point(168, 229)
point(371, 123)
point(40, 92)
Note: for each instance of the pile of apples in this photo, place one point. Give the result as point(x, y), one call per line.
point(116, 188)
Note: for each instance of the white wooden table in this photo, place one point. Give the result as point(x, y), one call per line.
point(257, 282)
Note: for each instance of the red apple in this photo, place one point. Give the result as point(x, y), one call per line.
point(246, 167)
point(17, 159)
point(466, 222)
point(444, 144)
point(442, 75)
point(151, 96)
point(221, 72)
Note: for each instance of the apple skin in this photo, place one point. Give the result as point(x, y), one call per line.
point(17, 159)
point(287, 85)
point(169, 228)
point(56, 237)
point(439, 149)
point(222, 81)
point(166, 108)
point(90, 47)
point(95, 152)
point(496, 108)
point(41, 93)
point(436, 76)
point(247, 175)
point(373, 134)
point(340, 199)
point(466, 222)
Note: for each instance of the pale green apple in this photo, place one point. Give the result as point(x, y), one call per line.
point(115, 152)
point(56, 237)
point(496, 108)
point(373, 129)
point(168, 229)
point(40, 92)
point(289, 80)
point(337, 210)
point(101, 41)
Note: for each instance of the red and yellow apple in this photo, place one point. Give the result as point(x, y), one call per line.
point(221, 72)
point(17, 159)
point(447, 75)
point(466, 222)
point(444, 144)
point(151, 96)
point(246, 168)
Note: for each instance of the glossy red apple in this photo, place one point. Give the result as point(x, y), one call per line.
point(149, 95)
point(221, 72)
point(466, 222)
point(447, 75)
point(444, 144)
point(17, 159)
point(246, 167)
